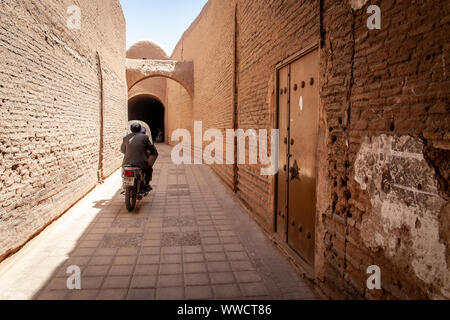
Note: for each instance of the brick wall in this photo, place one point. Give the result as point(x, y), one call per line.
point(282, 28)
point(385, 93)
point(50, 103)
point(209, 44)
point(179, 108)
point(383, 136)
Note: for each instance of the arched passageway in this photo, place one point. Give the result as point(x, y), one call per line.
point(150, 110)
point(179, 71)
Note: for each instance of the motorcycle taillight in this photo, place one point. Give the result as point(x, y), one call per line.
point(128, 173)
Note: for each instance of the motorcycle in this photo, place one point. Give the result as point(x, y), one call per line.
point(134, 186)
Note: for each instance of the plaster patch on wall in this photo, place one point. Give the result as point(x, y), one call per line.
point(406, 206)
point(357, 4)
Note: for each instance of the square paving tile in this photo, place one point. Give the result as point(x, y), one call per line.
point(116, 283)
point(148, 251)
point(247, 276)
point(121, 260)
point(222, 278)
point(165, 281)
point(171, 250)
point(176, 293)
point(93, 237)
point(254, 289)
point(106, 252)
point(75, 261)
point(233, 247)
point(146, 269)
point(240, 255)
point(221, 266)
point(95, 271)
point(112, 294)
point(229, 240)
point(127, 252)
point(196, 279)
point(83, 295)
point(121, 270)
point(227, 291)
point(101, 260)
point(89, 244)
point(242, 266)
point(210, 240)
point(192, 249)
point(151, 243)
point(196, 267)
point(171, 269)
point(171, 258)
point(141, 282)
point(216, 256)
point(226, 233)
point(152, 235)
point(199, 292)
point(83, 252)
point(53, 295)
point(213, 248)
point(193, 257)
point(141, 294)
point(149, 259)
point(206, 228)
point(91, 282)
point(96, 230)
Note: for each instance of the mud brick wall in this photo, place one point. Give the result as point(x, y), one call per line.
point(385, 93)
point(209, 43)
point(51, 83)
point(269, 32)
point(179, 110)
point(248, 37)
point(382, 194)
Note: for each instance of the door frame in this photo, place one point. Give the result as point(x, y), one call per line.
point(296, 56)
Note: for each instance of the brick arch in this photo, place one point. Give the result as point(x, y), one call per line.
point(181, 72)
point(147, 95)
point(150, 93)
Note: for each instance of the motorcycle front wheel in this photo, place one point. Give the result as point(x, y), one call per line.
point(130, 198)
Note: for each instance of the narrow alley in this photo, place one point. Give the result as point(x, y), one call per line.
point(189, 239)
point(310, 139)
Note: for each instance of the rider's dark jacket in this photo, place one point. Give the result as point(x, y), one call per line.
point(137, 147)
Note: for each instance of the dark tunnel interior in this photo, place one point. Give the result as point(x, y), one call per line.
point(150, 110)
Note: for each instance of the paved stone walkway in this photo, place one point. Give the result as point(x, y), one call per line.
point(189, 239)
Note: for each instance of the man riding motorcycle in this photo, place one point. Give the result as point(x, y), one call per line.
point(137, 148)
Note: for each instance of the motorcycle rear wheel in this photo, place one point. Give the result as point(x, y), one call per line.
point(130, 198)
